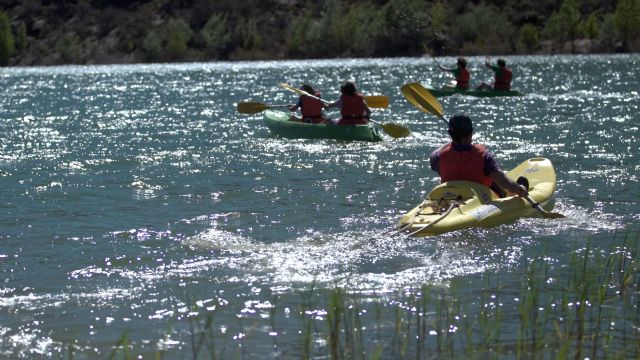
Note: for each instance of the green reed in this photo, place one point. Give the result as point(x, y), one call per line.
point(586, 307)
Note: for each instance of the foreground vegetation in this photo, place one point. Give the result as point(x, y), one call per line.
point(583, 307)
point(36, 32)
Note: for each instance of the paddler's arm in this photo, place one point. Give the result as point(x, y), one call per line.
point(335, 104)
point(487, 63)
point(443, 68)
point(296, 106)
point(506, 183)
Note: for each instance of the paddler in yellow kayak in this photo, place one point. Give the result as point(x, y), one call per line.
point(311, 108)
point(461, 159)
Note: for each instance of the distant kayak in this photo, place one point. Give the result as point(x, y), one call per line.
point(285, 125)
point(477, 93)
point(457, 205)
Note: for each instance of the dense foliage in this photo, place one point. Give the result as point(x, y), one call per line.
point(98, 31)
point(7, 45)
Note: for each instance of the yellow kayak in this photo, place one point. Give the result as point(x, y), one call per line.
point(457, 205)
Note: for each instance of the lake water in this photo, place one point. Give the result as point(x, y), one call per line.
point(132, 195)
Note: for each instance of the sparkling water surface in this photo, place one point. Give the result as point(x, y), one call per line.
point(133, 194)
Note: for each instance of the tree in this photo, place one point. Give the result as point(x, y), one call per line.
point(564, 24)
point(215, 34)
point(248, 31)
point(355, 30)
point(440, 16)
point(626, 20)
point(528, 39)
point(7, 45)
point(21, 37)
point(607, 34)
point(298, 41)
point(152, 45)
point(404, 27)
point(590, 28)
point(178, 35)
point(69, 47)
point(484, 29)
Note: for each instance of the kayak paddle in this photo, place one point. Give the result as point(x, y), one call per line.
point(255, 107)
point(394, 130)
point(545, 214)
point(377, 101)
point(421, 98)
point(373, 101)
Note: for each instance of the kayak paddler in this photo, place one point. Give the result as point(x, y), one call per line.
point(461, 74)
point(311, 108)
point(461, 159)
point(353, 107)
point(502, 76)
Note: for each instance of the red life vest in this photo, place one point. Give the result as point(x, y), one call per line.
point(353, 110)
point(463, 165)
point(311, 109)
point(503, 79)
point(462, 80)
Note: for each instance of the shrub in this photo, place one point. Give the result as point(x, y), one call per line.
point(436, 38)
point(607, 35)
point(352, 31)
point(7, 46)
point(152, 46)
point(21, 37)
point(69, 48)
point(590, 27)
point(404, 27)
point(178, 35)
point(170, 42)
point(626, 20)
point(215, 34)
point(564, 24)
point(529, 39)
point(483, 29)
point(300, 41)
point(249, 34)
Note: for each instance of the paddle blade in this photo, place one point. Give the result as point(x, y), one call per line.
point(294, 89)
point(552, 215)
point(377, 101)
point(251, 107)
point(545, 214)
point(421, 98)
point(395, 131)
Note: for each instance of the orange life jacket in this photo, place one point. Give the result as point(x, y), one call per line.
point(503, 79)
point(463, 165)
point(353, 110)
point(462, 80)
point(311, 108)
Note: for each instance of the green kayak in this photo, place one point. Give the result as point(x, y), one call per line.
point(285, 125)
point(478, 93)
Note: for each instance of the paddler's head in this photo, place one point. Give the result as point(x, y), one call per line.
point(348, 88)
point(308, 88)
point(461, 128)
